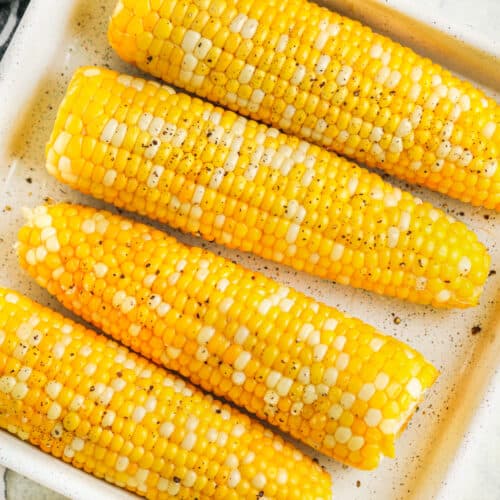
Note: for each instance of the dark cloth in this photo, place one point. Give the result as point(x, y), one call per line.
point(11, 12)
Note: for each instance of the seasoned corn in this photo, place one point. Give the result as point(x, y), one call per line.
point(92, 403)
point(324, 78)
point(209, 172)
point(327, 379)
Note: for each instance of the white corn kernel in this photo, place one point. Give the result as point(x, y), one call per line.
point(443, 296)
point(202, 48)
point(272, 379)
point(296, 408)
point(404, 128)
point(309, 395)
point(389, 426)
point(282, 43)
point(489, 129)
point(264, 306)
point(396, 145)
point(337, 251)
point(190, 40)
point(237, 23)
point(271, 398)
point(241, 335)
point(62, 142)
point(249, 28)
point(335, 411)
point(238, 378)
point(304, 375)
point(339, 342)
point(246, 73)
point(343, 434)
point(189, 441)
point(373, 417)
point(381, 381)
point(344, 75)
point(342, 361)
point(333, 29)
point(382, 75)
point(322, 64)
point(414, 388)
point(376, 344)
point(319, 352)
point(314, 338)
point(108, 418)
point(53, 388)
point(298, 75)
point(166, 429)
point(393, 234)
point(464, 266)
point(54, 411)
point(305, 331)
point(284, 386)
point(393, 80)
point(24, 373)
point(321, 40)
point(464, 102)
point(490, 167)
point(376, 51)
point(7, 383)
point(355, 443)
point(416, 73)
point(366, 392)
point(330, 376)
point(347, 400)
point(259, 481)
point(242, 360)
point(234, 478)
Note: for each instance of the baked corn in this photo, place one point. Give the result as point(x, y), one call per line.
point(329, 380)
point(92, 403)
point(324, 78)
point(207, 171)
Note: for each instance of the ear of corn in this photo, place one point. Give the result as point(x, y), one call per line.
point(94, 404)
point(324, 78)
point(209, 172)
point(329, 380)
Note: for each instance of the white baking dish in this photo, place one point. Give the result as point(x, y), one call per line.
point(56, 37)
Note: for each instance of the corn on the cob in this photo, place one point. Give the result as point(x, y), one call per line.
point(94, 404)
point(328, 379)
point(327, 79)
point(209, 172)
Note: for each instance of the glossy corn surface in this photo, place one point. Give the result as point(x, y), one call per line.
point(92, 403)
point(324, 78)
point(211, 173)
point(329, 380)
